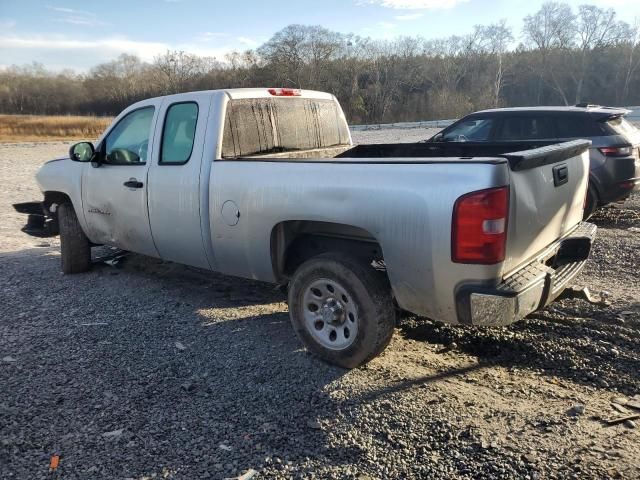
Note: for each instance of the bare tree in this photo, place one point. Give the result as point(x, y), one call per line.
point(120, 81)
point(550, 31)
point(495, 40)
point(596, 29)
point(285, 53)
point(297, 49)
point(630, 46)
point(177, 68)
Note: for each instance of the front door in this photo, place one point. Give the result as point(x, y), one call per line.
point(114, 194)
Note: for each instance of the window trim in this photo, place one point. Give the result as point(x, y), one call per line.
point(103, 143)
point(164, 124)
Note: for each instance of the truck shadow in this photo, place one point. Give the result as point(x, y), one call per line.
point(587, 344)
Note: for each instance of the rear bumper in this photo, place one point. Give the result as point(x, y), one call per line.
point(616, 178)
point(530, 288)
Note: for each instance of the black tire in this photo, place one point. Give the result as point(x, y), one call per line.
point(591, 204)
point(74, 245)
point(371, 294)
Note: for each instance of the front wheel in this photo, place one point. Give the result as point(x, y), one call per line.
point(75, 248)
point(342, 309)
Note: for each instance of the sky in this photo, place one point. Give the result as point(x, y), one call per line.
point(79, 34)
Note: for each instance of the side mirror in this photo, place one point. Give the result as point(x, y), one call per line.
point(438, 138)
point(82, 152)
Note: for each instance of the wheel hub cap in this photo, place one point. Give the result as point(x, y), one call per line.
point(330, 313)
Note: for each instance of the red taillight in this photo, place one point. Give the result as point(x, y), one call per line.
point(479, 228)
point(616, 151)
point(285, 92)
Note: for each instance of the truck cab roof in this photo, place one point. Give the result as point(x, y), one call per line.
point(240, 93)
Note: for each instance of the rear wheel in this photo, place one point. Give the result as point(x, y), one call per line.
point(342, 309)
point(591, 203)
point(74, 245)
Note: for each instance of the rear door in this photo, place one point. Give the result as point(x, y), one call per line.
point(174, 179)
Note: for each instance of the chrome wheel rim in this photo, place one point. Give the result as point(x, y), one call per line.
point(330, 314)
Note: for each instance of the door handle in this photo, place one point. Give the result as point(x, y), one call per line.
point(560, 174)
point(133, 183)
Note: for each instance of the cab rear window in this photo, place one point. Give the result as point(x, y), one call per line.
point(256, 126)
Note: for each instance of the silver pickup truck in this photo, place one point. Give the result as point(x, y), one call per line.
point(266, 184)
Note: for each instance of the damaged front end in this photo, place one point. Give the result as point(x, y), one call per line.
point(41, 222)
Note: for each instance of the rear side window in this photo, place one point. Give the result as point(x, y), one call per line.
point(268, 125)
point(578, 126)
point(179, 133)
point(525, 128)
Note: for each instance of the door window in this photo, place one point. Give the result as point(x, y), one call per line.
point(470, 130)
point(179, 133)
point(525, 128)
point(128, 142)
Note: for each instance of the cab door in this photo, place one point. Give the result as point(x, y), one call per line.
point(175, 182)
point(114, 189)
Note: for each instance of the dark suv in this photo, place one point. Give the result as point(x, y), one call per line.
point(615, 152)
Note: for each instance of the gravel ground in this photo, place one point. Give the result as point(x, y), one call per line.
point(154, 370)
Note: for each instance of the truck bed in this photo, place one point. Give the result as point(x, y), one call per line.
point(543, 208)
point(520, 155)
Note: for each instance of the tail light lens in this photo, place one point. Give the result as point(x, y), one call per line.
point(479, 228)
point(285, 92)
point(616, 151)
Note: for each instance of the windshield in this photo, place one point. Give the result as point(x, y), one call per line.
point(471, 130)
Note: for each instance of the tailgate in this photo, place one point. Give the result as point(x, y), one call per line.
point(547, 192)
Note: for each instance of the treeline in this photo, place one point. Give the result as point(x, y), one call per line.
point(561, 56)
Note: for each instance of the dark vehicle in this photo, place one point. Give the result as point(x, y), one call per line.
point(614, 153)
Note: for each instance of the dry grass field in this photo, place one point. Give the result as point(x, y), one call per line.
point(35, 128)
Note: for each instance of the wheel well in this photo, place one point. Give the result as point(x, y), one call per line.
point(294, 242)
point(55, 197)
